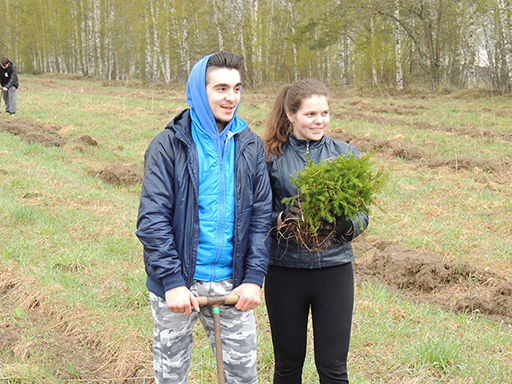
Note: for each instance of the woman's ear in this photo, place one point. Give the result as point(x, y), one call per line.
point(290, 116)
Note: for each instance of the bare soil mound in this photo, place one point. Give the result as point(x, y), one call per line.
point(119, 174)
point(47, 140)
point(123, 175)
point(391, 107)
point(497, 302)
point(468, 163)
point(86, 140)
point(371, 117)
point(396, 148)
point(373, 113)
point(393, 147)
point(478, 134)
point(426, 276)
point(32, 132)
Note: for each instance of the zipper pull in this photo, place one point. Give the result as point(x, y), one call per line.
point(307, 147)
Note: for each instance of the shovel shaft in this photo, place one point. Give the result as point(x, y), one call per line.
point(215, 302)
point(218, 345)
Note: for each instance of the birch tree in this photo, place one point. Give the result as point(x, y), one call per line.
point(369, 43)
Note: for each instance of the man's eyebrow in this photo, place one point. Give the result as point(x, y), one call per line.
point(226, 85)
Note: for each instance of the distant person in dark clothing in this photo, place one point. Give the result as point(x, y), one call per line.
point(9, 83)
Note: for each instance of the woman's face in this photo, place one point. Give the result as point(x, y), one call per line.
point(312, 118)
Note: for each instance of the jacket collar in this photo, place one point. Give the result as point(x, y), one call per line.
point(302, 144)
point(181, 124)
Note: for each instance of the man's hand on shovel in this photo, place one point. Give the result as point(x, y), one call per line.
point(181, 300)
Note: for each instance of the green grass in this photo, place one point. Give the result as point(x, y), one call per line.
point(68, 239)
point(395, 340)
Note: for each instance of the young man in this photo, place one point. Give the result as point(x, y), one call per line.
point(9, 83)
point(205, 212)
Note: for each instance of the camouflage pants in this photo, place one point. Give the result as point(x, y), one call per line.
point(172, 343)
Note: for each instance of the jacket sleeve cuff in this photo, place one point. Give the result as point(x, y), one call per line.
point(254, 277)
point(275, 217)
point(173, 281)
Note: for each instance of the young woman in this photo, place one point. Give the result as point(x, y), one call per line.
point(299, 279)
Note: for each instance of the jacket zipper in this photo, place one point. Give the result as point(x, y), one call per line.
point(307, 147)
point(222, 156)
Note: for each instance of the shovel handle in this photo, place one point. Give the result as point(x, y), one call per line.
point(217, 300)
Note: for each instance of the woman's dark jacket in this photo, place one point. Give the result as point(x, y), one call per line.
point(9, 76)
point(168, 220)
point(288, 252)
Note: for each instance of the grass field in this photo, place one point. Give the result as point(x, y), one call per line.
point(73, 302)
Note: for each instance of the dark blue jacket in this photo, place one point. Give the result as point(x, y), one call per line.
point(168, 220)
point(288, 252)
point(9, 76)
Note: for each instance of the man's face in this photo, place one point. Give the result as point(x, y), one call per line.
point(5, 66)
point(223, 88)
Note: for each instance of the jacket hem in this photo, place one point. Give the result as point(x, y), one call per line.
point(154, 287)
point(332, 263)
point(254, 277)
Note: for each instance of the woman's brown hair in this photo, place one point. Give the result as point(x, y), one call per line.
point(277, 126)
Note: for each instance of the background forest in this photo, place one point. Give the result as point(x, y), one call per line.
point(386, 44)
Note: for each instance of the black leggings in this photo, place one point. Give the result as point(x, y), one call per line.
point(289, 293)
